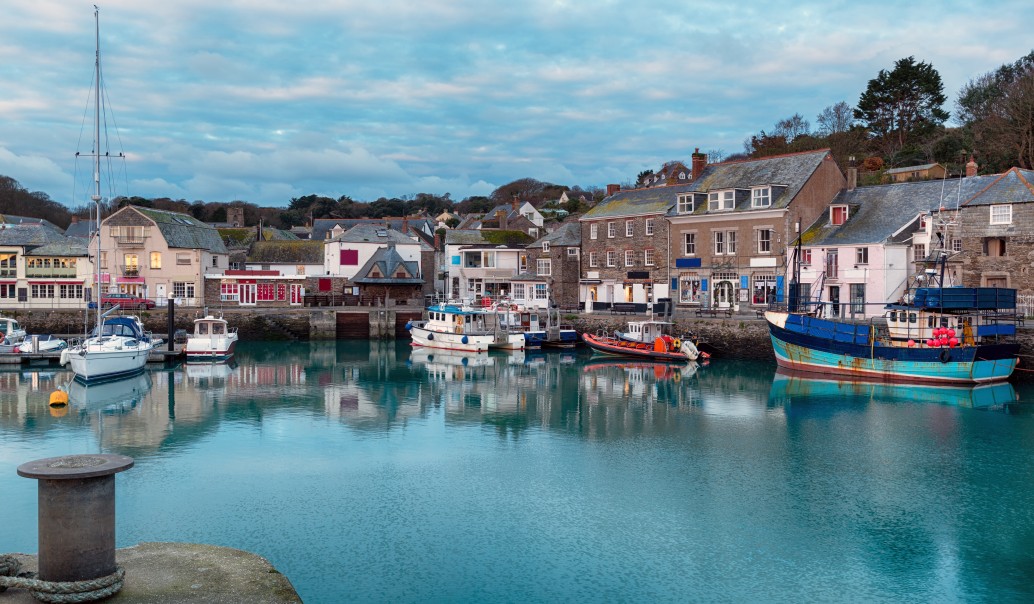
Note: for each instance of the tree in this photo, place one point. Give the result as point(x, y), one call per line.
point(835, 119)
point(997, 111)
point(792, 127)
point(764, 145)
point(903, 105)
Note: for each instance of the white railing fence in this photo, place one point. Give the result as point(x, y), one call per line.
point(1025, 305)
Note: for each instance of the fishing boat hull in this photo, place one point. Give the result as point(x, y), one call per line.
point(444, 340)
point(509, 341)
point(620, 348)
point(206, 350)
point(807, 344)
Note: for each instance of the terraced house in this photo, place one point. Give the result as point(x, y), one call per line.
point(41, 268)
point(730, 228)
point(625, 246)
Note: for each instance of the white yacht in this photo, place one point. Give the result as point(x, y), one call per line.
point(212, 340)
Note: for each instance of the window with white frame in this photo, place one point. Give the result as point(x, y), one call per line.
point(612, 230)
point(545, 247)
point(594, 259)
point(837, 215)
point(648, 257)
point(543, 267)
point(41, 290)
point(649, 227)
point(956, 245)
point(629, 258)
point(1001, 214)
point(629, 228)
point(594, 230)
point(721, 200)
point(764, 241)
point(730, 242)
point(572, 252)
point(522, 263)
point(806, 257)
point(689, 244)
point(685, 203)
point(489, 260)
point(719, 243)
point(761, 197)
point(612, 258)
point(919, 252)
point(540, 291)
point(229, 291)
point(861, 255)
point(690, 288)
point(71, 291)
point(182, 289)
point(518, 291)
point(7, 290)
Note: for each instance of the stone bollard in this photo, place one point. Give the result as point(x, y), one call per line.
point(76, 514)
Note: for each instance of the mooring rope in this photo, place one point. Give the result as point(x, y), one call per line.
point(61, 592)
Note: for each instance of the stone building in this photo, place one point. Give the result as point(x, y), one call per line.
point(556, 259)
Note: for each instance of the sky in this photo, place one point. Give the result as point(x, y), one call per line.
point(265, 101)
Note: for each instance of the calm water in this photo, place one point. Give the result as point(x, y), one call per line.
point(373, 473)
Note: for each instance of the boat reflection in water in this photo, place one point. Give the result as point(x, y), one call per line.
point(214, 371)
point(115, 396)
point(790, 387)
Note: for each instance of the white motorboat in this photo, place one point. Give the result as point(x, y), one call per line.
point(42, 343)
point(454, 326)
point(11, 331)
point(212, 340)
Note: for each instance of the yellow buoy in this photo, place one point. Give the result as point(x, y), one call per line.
point(58, 398)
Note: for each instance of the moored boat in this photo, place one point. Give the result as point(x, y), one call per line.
point(648, 331)
point(41, 343)
point(212, 340)
point(454, 326)
point(664, 348)
point(11, 331)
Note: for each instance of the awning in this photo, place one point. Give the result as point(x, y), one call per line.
point(131, 280)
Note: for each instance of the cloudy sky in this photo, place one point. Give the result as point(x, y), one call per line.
point(266, 100)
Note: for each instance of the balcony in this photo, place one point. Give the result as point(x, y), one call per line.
point(130, 240)
point(33, 272)
point(8, 272)
point(130, 270)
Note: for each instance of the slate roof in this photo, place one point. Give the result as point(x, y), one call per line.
point(82, 229)
point(876, 213)
point(637, 202)
point(373, 233)
point(1015, 186)
point(302, 251)
point(786, 174)
point(464, 237)
point(387, 260)
point(185, 231)
point(70, 247)
point(29, 235)
point(12, 219)
point(569, 234)
point(321, 226)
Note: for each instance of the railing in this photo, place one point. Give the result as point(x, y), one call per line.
point(1025, 305)
point(130, 240)
point(130, 270)
point(58, 271)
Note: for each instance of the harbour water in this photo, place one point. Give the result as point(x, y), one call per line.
point(370, 472)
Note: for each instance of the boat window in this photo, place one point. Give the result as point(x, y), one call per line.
point(892, 316)
point(912, 317)
point(217, 329)
point(929, 321)
point(202, 328)
point(944, 321)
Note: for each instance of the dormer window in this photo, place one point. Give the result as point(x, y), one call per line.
point(922, 222)
point(545, 247)
point(761, 197)
point(721, 201)
point(682, 176)
point(837, 215)
point(686, 205)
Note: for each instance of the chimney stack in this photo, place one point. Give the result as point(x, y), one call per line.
point(611, 189)
point(699, 162)
point(75, 220)
point(501, 217)
point(516, 203)
point(971, 167)
point(852, 175)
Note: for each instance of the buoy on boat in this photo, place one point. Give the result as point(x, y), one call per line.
point(58, 398)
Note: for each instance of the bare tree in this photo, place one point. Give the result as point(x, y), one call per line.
point(792, 127)
point(835, 118)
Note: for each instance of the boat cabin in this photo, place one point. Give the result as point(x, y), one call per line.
point(972, 314)
point(210, 326)
point(9, 328)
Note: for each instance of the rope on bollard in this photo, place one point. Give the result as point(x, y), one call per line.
point(60, 592)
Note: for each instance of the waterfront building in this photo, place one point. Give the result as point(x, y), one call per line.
point(159, 254)
point(348, 251)
point(731, 227)
point(624, 239)
point(483, 263)
point(554, 261)
point(41, 268)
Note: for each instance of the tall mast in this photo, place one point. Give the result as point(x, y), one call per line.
point(97, 155)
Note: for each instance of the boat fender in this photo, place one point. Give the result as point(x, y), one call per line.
point(465, 340)
point(677, 344)
point(945, 355)
point(409, 325)
point(430, 336)
point(58, 398)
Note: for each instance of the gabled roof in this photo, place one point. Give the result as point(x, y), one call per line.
point(876, 213)
point(321, 226)
point(286, 252)
point(12, 219)
point(373, 233)
point(184, 231)
point(637, 202)
point(789, 172)
point(1015, 186)
point(70, 247)
point(29, 235)
point(569, 234)
point(387, 262)
point(83, 229)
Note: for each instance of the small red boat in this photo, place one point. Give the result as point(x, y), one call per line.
point(663, 348)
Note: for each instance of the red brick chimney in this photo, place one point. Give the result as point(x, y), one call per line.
point(971, 166)
point(611, 189)
point(437, 241)
point(501, 217)
point(699, 163)
point(516, 203)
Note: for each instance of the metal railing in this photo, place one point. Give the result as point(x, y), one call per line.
point(56, 271)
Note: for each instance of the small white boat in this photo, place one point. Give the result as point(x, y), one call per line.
point(11, 331)
point(212, 340)
point(647, 332)
point(454, 326)
point(45, 343)
point(117, 350)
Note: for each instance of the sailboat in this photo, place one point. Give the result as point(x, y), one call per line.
point(113, 350)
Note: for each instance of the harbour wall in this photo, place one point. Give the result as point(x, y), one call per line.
point(736, 337)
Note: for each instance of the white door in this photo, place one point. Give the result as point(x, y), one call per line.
point(247, 294)
point(160, 291)
point(723, 294)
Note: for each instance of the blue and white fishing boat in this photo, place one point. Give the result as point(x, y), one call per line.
point(455, 326)
point(933, 334)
